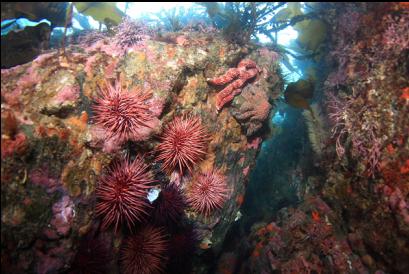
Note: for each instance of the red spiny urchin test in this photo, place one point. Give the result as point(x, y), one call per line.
point(124, 115)
point(184, 143)
point(144, 252)
point(122, 193)
point(208, 192)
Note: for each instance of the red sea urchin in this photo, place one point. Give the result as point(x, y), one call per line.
point(144, 252)
point(122, 193)
point(184, 143)
point(124, 115)
point(207, 192)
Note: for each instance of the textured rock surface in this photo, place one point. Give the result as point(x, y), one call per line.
point(353, 215)
point(303, 240)
point(52, 155)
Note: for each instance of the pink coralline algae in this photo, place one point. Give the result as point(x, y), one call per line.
point(254, 111)
point(236, 78)
point(89, 65)
point(106, 47)
point(350, 22)
point(396, 36)
point(346, 119)
point(246, 171)
point(399, 204)
point(67, 93)
point(275, 243)
point(396, 201)
point(41, 177)
point(63, 214)
point(122, 193)
point(13, 146)
point(52, 260)
point(254, 143)
point(125, 114)
point(339, 112)
point(208, 192)
point(270, 56)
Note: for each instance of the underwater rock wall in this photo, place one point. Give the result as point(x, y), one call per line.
point(354, 212)
point(368, 106)
point(61, 137)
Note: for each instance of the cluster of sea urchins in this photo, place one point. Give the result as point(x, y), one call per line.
point(184, 144)
point(122, 190)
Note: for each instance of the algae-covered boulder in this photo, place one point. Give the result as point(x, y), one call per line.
point(57, 145)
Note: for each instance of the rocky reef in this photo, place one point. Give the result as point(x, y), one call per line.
point(353, 189)
point(67, 119)
point(130, 151)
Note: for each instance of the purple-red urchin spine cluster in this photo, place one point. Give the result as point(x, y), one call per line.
point(169, 207)
point(208, 192)
point(122, 193)
point(130, 33)
point(144, 252)
point(123, 114)
point(184, 144)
